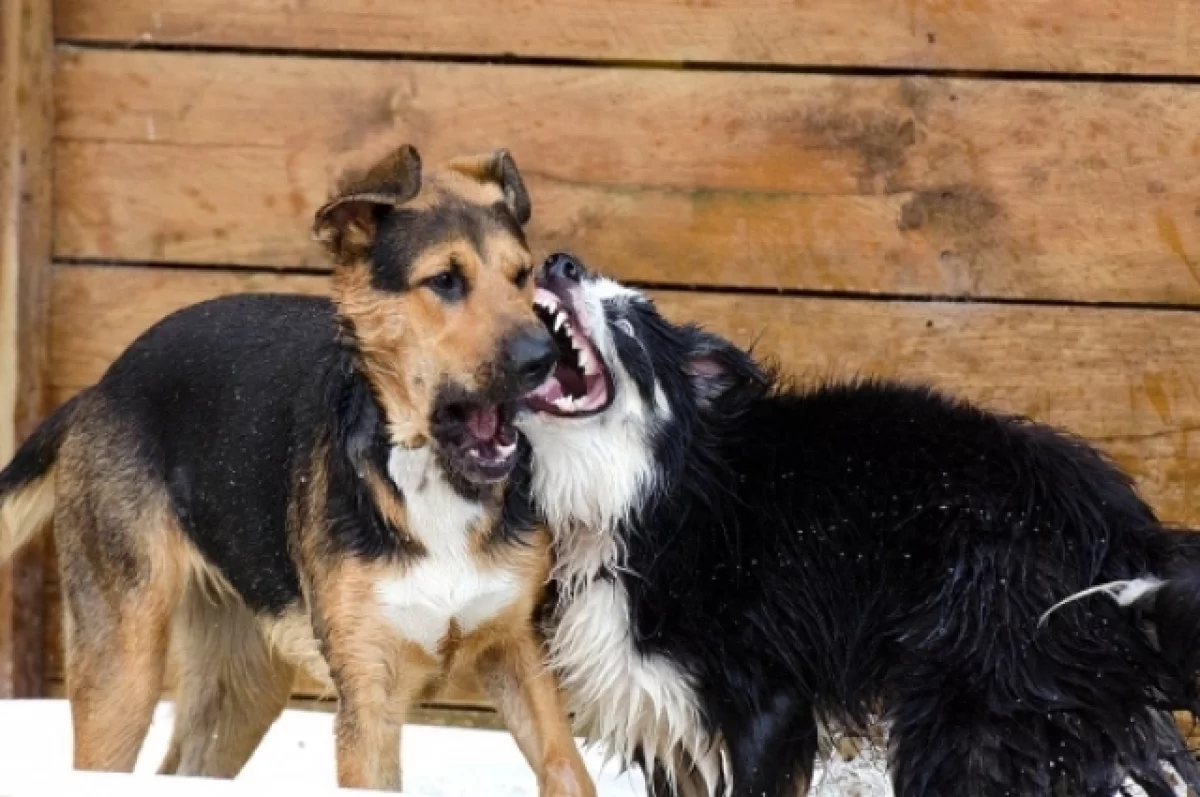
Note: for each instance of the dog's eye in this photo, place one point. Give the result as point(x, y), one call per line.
point(522, 278)
point(450, 284)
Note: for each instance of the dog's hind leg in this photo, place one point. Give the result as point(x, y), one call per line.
point(230, 686)
point(114, 679)
point(945, 743)
point(121, 577)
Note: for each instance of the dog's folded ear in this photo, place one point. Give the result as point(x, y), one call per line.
point(346, 224)
point(498, 167)
point(718, 368)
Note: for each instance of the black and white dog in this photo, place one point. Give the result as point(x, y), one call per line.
point(739, 561)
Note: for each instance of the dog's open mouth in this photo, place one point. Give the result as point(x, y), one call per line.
point(480, 440)
point(580, 384)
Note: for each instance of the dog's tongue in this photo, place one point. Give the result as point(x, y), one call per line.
point(551, 390)
point(483, 423)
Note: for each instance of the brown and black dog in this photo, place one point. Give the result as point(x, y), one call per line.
point(265, 482)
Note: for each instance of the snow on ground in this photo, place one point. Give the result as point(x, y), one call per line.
point(865, 774)
point(296, 758)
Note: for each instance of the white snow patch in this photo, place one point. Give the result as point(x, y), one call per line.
point(296, 759)
point(865, 774)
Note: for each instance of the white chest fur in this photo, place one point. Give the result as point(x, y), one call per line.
point(620, 697)
point(448, 584)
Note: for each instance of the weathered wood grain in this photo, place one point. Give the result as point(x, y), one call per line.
point(1128, 379)
point(882, 185)
point(26, 119)
point(1126, 36)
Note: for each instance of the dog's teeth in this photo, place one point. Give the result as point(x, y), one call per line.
point(560, 320)
point(546, 299)
point(586, 361)
point(565, 403)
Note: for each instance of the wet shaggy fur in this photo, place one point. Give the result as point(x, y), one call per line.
point(270, 482)
point(798, 555)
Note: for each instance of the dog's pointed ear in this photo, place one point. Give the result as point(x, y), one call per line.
point(498, 167)
point(346, 223)
point(716, 367)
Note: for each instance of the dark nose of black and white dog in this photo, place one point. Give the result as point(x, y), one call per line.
point(560, 266)
point(530, 355)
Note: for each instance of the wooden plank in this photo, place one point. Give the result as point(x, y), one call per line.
point(1128, 379)
point(1134, 36)
point(452, 714)
point(26, 121)
point(908, 186)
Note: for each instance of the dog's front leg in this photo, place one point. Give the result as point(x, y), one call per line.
point(368, 748)
point(376, 686)
point(377, 674)
point(526, 693)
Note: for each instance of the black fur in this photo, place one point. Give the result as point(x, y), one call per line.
point(229, 400)
point(356, 437)
point(404, 233)
point(867, 545)
point(37, 454)
point(227, 397)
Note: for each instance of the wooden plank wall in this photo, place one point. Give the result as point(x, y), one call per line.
point(26, 122)
point(1001, 197)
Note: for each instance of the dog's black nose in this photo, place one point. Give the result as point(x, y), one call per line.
point(531, 355)
point(563, 266)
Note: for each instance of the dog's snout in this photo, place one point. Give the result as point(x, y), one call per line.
point(531, 354)
point(563, 266)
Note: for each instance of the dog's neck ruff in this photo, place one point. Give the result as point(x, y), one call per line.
point(636, 704)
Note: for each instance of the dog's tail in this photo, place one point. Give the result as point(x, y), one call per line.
point(27, 484)
point(1170, 600)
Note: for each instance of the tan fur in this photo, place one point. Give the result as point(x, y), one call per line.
point(469, 179)
point(123, 563)
point(391, 507)
point(412, 343)
point(291, 637)
point(25, 513)
point(378, 675)
point(230, 686)
point(205, 580)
